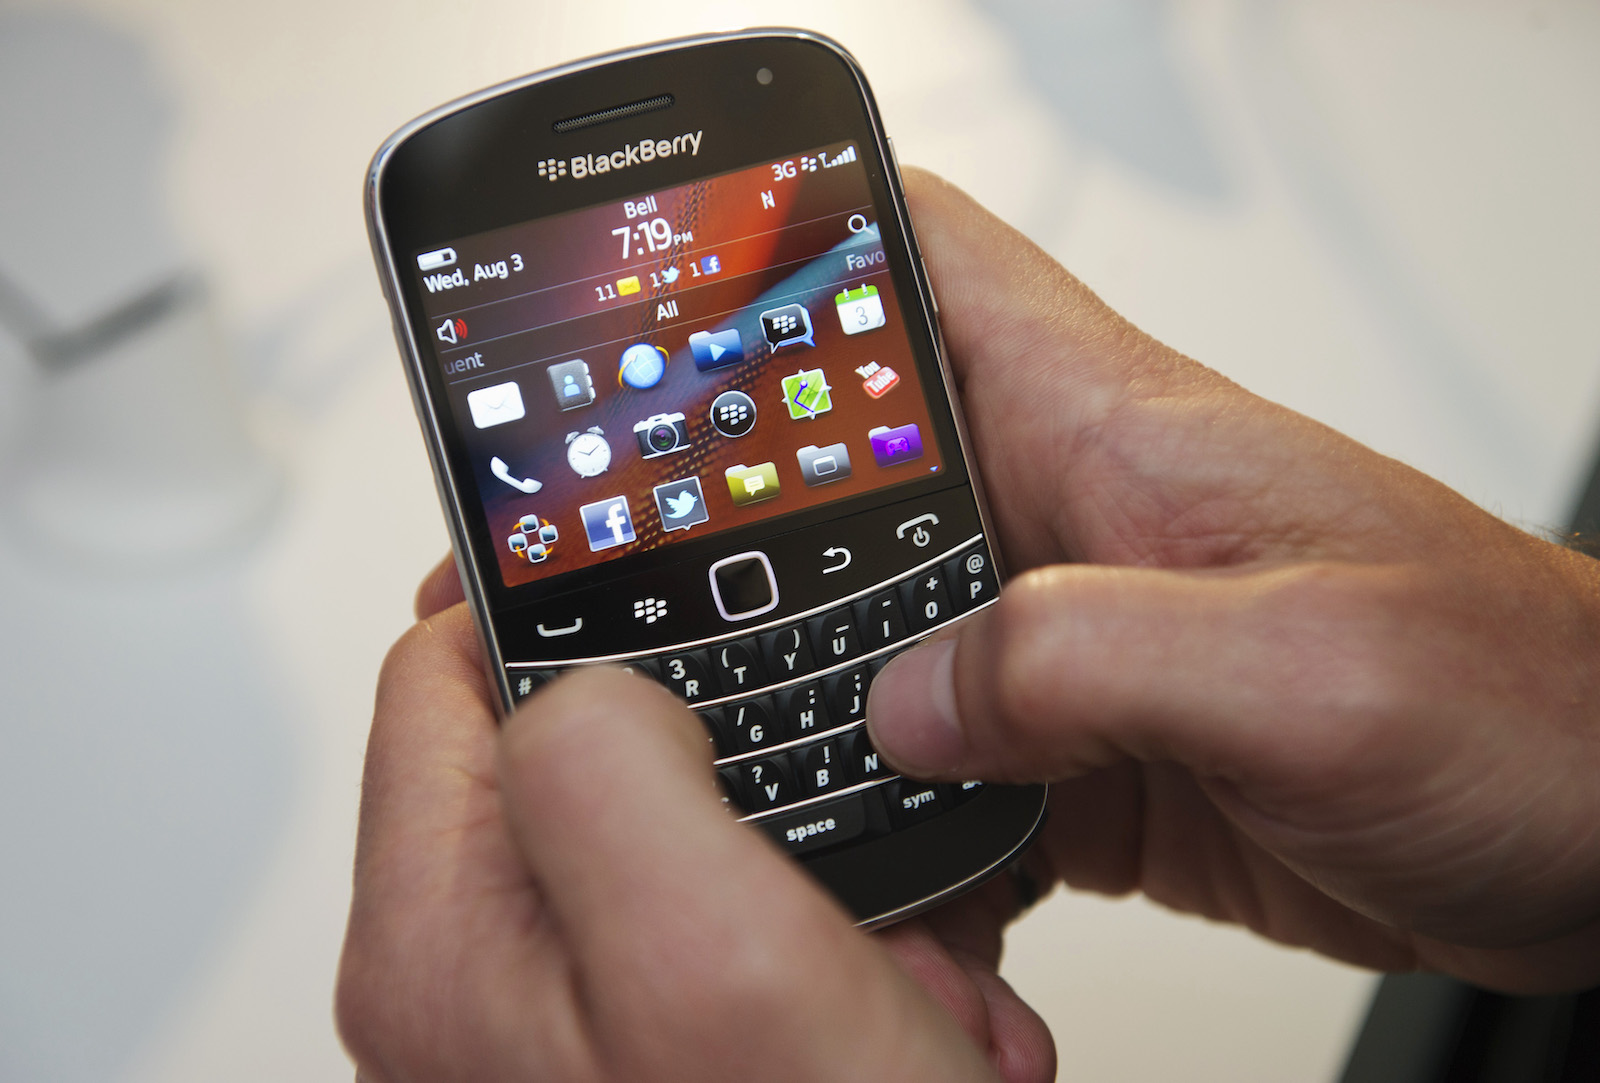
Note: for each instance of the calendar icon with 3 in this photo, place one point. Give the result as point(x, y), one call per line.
point(860, 309)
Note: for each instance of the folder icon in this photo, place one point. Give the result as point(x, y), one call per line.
point(752, 484)
point(628, 285)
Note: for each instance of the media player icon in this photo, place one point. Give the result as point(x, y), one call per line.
point(716, 349)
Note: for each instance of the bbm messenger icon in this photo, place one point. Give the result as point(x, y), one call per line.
point(787, 325)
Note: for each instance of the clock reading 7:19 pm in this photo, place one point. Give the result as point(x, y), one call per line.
point(654, 235)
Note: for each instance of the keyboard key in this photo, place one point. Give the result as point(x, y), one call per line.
point(925, 600)
point(688, 673)
point(643, 667)
point(833, 635)
point(802, 711)
point(847, 695)
point(971, 579)
point(881, 621)
point(962, 792)
point(819, 825)
point(718, 730)
point(728, 783)
point(738, 669)
point(820, 768)
point(787, 653)
point(766, 784)
point(861, 759)
point(750, 725)
point(525, 682)
point(912, 802)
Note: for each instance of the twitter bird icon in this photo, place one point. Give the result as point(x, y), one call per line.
point(681, 504)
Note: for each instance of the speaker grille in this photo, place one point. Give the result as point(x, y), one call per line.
point(616, 112)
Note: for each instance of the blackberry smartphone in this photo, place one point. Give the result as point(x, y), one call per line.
point(675, 357)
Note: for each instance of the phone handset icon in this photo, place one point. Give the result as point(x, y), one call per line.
point(919, 529)
point(498, 467)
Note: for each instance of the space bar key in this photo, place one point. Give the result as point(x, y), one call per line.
point(816, 826)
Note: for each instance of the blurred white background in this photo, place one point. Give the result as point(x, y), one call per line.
point(1380, 213)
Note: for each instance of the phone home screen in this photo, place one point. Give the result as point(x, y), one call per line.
point(683, 362)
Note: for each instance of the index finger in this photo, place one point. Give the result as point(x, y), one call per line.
point(440, 589)
point(429, 770)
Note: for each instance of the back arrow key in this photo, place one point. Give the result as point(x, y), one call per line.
point(838, 553)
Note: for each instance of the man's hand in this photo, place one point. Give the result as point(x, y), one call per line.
point(1292, 684)
point(566, 899)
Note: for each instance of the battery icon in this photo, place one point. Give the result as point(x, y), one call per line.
point(432, 261)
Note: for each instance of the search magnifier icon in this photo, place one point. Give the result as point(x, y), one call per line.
point(856, 223)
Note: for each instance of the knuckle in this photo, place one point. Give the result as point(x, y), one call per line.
point(441, 646)
point(1011, 679)
point(1346, 648)
point(402, 655)
point(1349, 626)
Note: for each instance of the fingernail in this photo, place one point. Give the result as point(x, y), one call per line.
point(911, 711)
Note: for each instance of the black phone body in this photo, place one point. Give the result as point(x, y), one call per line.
point(676, 361)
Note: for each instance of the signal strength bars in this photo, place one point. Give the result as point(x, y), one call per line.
point(809, 164)
point(844, 157)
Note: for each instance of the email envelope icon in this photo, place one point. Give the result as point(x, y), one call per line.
point(495, 405)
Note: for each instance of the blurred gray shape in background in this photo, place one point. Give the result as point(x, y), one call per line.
point(144, 764)
point(1109, 71)
point(122, 405)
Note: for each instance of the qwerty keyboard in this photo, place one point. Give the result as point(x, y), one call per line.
point(785, 705)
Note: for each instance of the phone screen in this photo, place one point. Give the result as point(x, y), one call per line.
point(678, 363)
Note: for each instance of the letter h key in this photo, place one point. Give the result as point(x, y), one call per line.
point(803, 710)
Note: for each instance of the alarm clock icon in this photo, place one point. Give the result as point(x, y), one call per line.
point(588, 453)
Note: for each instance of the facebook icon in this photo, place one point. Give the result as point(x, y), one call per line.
point(607, 523)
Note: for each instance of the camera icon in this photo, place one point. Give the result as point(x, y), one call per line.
point(660, 434)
